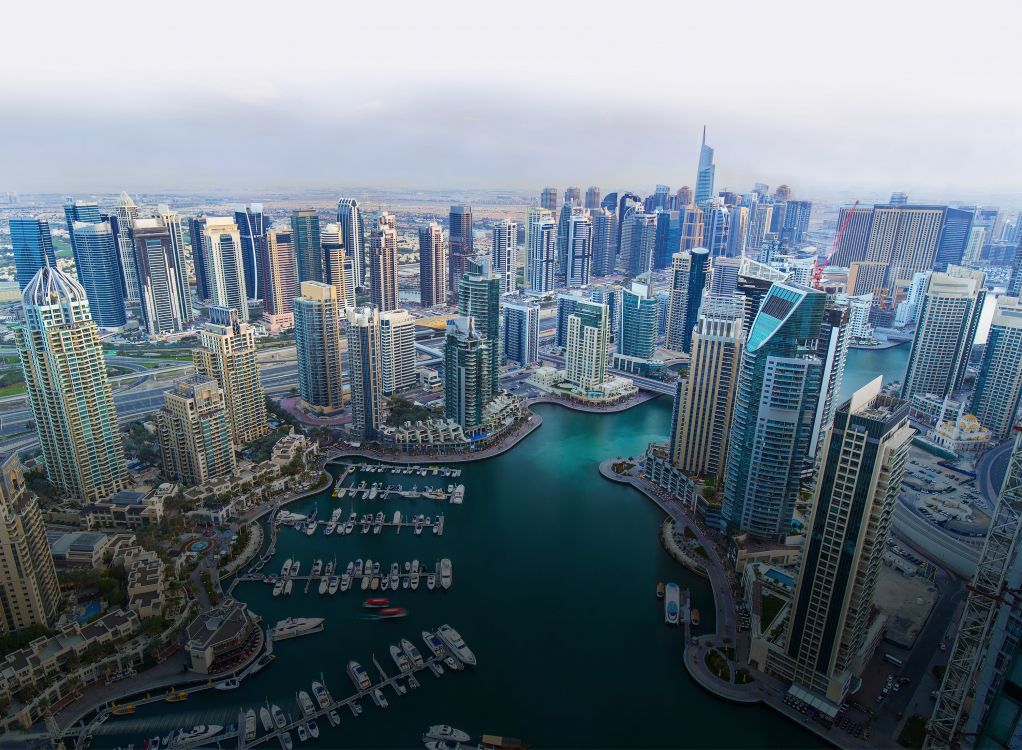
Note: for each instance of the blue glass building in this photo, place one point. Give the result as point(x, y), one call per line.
point(33, 248)
point(252, 228)
point(98, 264)
point(696, 284)
point(84, 211)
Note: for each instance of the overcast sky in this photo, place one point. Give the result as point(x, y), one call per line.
point(868, 96)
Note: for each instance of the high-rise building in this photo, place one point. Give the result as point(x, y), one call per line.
point(349, 216)
point(179, 259)
point(565, 307)
point(432, 265)
point(520, 340)
point(869, 277)
point(908, 309)
point(852, 247)
point(196, 226)
point(639, 317)
point(365, 371)
point(467, 364)
point(683, 197)
point(604, 241)
point(98, 266)
point(338, 265)
point(575, 246)
point(383, 263)
point(832, 613)
point(504, 253)
point(954, 237)
point(587, 347)
point(225, 273)
point(782, 194)
point(308, 244)
point(832, 350)
point(397, 351)
point(592, 201)
point(609, 294)
point(759, 224)
point(318, 343)
point(33, 248)
point(690, 218)
point(704, 401)
point(724, 272)
point(573, 196)
point(668, 237)
point(68, 390)
point(905, 239)
point(228, 354)
point(948, 317)
point(705, 173)
point(778, 389)
point(122, 222)
point(195, 433)
point(540, 251)
point(638, 242)
point(999, 385)
point(974, 247)
point(461, 246)
point(280, 285)
point(252, 231)
point(628, 204)
point(738, 231)
point(29, 589)
point(754, 282)
point(688, 280)
point(549, 199)
point(83, 211)
point(796, 222)
point(157, 256)
point(479, 298)
point(716, 227)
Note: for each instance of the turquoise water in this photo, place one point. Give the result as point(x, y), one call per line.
point(865, 364)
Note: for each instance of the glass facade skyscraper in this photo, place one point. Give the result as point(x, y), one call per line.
point(99, 272)
point(308, 245)
point(252, 229)
point(318, 344)
point(33, 248)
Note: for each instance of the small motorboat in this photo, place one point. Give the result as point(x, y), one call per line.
point(376, 602)
point(229, 684)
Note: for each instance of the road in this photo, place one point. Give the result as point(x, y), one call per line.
point(990, 471)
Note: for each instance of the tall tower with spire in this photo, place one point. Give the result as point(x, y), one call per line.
point(704, 176)
point(126, 213)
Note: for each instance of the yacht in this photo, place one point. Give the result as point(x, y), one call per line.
point(378, 523)
point(345, 581)
point(295, 567)
point(331, 527)
point(441, 745)
point(359, 676)
point(446, 577)
point(394, 573)
point(250, 725)
point(376, 602)
point(445, 732)
point(293, 627)
point(305, 702)
point(406, 581)
point(380, 698)
point(397, 517)
point(413, 653)
point(265, 719)
point(317, 566)
point(349, 525)
point(400, 659)
point(229, 684)
point(434, 644)
point(334, 719)
point(278, 587)
point(287, 587)
point(197, 735)
point(324, 584)
point(367, 575)
point(286, 742)
point(286, 569)
point(385, 583)
point(415, 575)
point(333, 585)
point(453, 640)
point(357, 569)
point(278, 716)
point(303, 733)
point(310, 529)
point(435, 668)
point(672, 603)
point(313, 729)
point(418, 525)
point(431, 581)
point(366, 523)
point(321, 694)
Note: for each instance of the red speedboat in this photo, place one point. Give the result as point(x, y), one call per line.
point(390, 613)
point(376, 602)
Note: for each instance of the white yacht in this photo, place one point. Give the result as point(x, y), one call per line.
point(380, 698)
point(415, 574)
point(285, 570)
point(412, 652)
point(394, 573)
point(453, 640)
point(446, 576)
point(335, 720)
point(324, 584)
point(313, 728)
point(250, 725)
point(287, 587)
point(293, 627)
point(278, 587)
point(286, 741)
point(305, 702)
point(317, 566)
point(367, 575)
point(321, 694)
point(310, 529)
point(265, 719)
point(446, 732)
point(197, 735)
point(333, 585)
point(295, 567)
point(397, 517)
point(431, 581)
point(400, 659)
point(303, 733)
point(358, 567)
point(359, 676)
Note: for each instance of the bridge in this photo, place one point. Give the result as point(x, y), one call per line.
point(643, 383)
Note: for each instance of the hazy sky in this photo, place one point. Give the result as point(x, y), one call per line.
point(873, 96)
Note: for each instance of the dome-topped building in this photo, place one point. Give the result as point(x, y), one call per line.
point(52, 288)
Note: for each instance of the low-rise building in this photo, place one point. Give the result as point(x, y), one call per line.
point(221, 638)
point(292, 446)
point(126, 509)
point(77, 549)
point(611, 390)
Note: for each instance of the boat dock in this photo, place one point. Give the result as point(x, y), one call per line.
point(454, 494)
point(435, 525)
point(418, 469)
point(355, 579)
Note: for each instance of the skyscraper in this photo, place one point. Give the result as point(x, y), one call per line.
point(479, 298)
point(683, 197)
point(504, 253)
point(432, 265)
point(776, 400)
point(318, 343)
point(397, 351)
point(948, 316)
point(638, 241)
point(716, 227)
point(338, 265)
point(33, 248)
point(704, 175)
point(832, 612)
point(852, 247)
point(604, 241)
point(461, 245)
point(905, 239)
point(383, 263)
point(1015, 280)
point(196, 226)
point(999, 385)
point(549, 199)
point(308, 244)
point(738, 231)
point(575, 246)
point(365, 374)
point(252, 231)
point(280, 285)
point(832, 350)
point(96, 260)
point(639, 316)
point(566, 304)
point(156, 262)
point(194, 431)
point(691, 220)
point(83, 211)
point(573, 196)
point(520, 340)
point(468, 359)
point(349, 216)
point(29, 589)
point(68, 390)
point(754, 282)
point(796, 222)
point(955, 226)
point(178, 257)
point(541, 251)
point(228, 354)
point(668, 237)
point(627, 205)
point(585, 355)
point(688, 280)
point(126, 212)
point(704, 401)
point(759, 224)
point(225, 273)
point(592, 201)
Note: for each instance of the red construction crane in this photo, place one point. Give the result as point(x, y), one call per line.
point(818, 267)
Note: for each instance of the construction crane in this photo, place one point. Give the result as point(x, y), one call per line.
point(818, 267)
